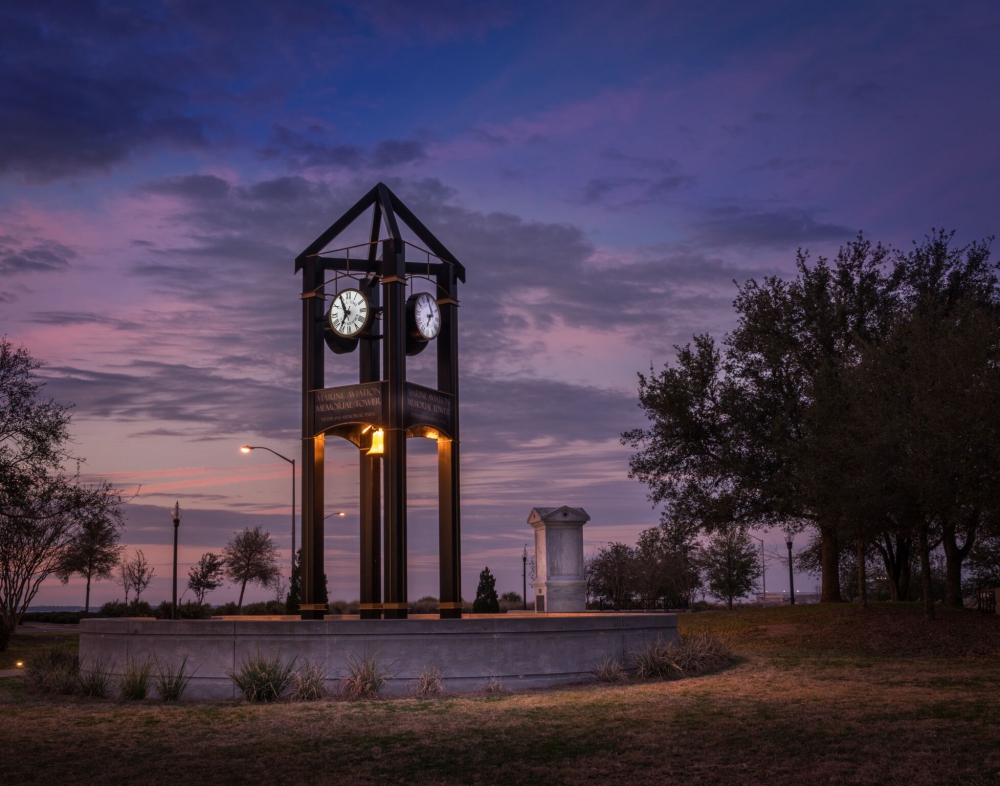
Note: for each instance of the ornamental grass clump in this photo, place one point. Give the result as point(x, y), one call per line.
point(261, 678)
point(429, 683)
point(53, 671)
point(365, 677)
point(495, 688)
point(611, 670)
point(136, 677)
point(171, 682)
point(96, 680)
point(691, 656)
point(309, 683)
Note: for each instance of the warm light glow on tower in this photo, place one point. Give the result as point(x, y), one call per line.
point(378, 445)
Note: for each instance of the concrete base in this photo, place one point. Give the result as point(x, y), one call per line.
point(523, 652)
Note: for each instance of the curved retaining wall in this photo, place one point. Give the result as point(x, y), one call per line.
point(524, 652)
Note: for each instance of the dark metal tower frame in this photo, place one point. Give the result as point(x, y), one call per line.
point(387, 367)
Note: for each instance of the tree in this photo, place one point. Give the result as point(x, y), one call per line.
point(251, 558)
point(486, 601)
point(207, 575)
point(611, 574)
point(294, 597)
point(134, 575)
point(40, 505)
point(94, 550)
point(731, 564)
point(512, 597)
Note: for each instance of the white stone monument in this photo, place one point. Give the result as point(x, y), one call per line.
point(560, 584)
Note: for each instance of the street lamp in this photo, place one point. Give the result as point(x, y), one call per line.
point(524, 576)
point(247, 449)
point(791, 579)
point(175, 514)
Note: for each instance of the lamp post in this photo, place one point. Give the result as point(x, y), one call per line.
point(175, 514)
point(791, 579)
point(763, 569)
point(247, 449)
point(524, 576)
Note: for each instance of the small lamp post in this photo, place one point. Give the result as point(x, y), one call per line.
point(246, 449)
point(791, 578)
point(524, 576)
point(175, 514)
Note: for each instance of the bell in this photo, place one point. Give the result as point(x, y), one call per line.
point(378, 445)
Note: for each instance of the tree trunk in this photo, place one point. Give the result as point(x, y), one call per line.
point(730, 601)
point(954, 556)
point(904, 578)
point(830, 592)
point(86, 605)
point(925, 570)
point(239, 606)
point(862, 574)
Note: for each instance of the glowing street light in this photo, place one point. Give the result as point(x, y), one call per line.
point(246, 449)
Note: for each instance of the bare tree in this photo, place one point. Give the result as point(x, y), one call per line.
point(206, 576)
point(251, 558)
point(134, 575)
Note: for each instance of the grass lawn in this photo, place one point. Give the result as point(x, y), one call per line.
point(824, 694)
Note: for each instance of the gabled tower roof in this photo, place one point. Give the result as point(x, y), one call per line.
point(391, 207)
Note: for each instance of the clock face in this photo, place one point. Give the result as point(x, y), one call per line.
point(427, 316)
point(349, 313)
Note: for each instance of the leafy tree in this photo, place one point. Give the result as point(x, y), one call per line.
point(611, 574)
point(207, 575)
point(41, 507)
point(251, 558)
point(731, 563)
point(94, 551)
point(512, 597)
point(486, 601)
point(294, 597)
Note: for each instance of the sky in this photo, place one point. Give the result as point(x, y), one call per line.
point(608, 173)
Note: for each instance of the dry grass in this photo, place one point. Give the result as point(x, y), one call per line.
point(429, 684)
point(366, 676)
point(795, 711)
point(309, 683)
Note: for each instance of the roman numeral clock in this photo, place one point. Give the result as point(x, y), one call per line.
point(354, 300)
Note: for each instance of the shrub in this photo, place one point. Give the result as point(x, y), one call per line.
point(95, 681)
point(309, 683)
point(426, 605)
point(611, 670)
point(171, 682)
point(58, 617)
point(343, 607)
point(263, 678)
point(115, 608)
point(264, 608)
point(365, 677)
point(429, 683)
point(495, 688)
point(53, 671)
point(192, 610)
point(4, 635)
point(693, 655)
point(486, 601)
point(134, 684)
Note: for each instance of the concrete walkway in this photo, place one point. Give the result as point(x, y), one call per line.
point(11, 673)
